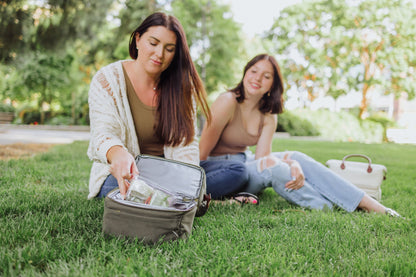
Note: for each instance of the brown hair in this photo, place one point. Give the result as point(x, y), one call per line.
point(179, 84)
point(271, 102)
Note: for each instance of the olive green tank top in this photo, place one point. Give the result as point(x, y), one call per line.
point(144, 118)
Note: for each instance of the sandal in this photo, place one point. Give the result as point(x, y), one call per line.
point(245, 198)
point(392, 213)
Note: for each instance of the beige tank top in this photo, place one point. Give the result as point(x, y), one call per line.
point(144, 122)
point(234, 138)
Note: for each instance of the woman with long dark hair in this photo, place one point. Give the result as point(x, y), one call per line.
point(146, 105)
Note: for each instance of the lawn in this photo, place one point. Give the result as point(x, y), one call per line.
point(48, 227)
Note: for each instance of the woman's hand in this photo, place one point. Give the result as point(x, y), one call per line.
point(122, 167)
point(298, 179)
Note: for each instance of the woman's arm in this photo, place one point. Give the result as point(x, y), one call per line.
point(122, 167)
point(107, 142)
point(264, 148)
point(105, 121)
point(264, 144)
point(222, 111)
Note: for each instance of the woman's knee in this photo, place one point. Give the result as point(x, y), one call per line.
point(272, 164)
point(266, 162)
point(297, 156)
point(274, 170)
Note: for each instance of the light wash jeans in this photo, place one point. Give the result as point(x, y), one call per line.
point(322, 188)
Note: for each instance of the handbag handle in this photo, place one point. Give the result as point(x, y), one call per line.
point(369, 169)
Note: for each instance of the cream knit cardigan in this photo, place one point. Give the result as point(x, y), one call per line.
point(112, 124)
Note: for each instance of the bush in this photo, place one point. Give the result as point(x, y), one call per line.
point(336, 126)
point(28, 115)
point(60, 120)
point(295, 125)
point(6, 108)
point(385, 121)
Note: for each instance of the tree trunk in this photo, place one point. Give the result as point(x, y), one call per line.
point(42, 112)
point(364, 101)
point(73, 113)
point(42, 116)
point(368, 59)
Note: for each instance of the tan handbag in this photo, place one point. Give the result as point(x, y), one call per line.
point(152, 223)
point(364, 175)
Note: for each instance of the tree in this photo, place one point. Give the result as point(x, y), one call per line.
point(335, 46)
point(46, 75)
point(59, 22)
point(126, 16)
point(213, 37)
point(15, 18)
point(45, 38)
point(50, 25)
point(40, 36)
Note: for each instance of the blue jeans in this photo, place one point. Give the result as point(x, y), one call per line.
point(225, 177)
point(322, 188)
point(109, 184)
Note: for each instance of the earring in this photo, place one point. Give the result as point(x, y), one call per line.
point(268, 93)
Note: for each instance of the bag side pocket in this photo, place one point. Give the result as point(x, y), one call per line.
point(149, 225)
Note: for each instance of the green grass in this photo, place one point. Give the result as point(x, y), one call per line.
point(49, 228)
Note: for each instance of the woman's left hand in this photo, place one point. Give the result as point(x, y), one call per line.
point(298, 179)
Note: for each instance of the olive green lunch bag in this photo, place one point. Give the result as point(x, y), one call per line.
point(176, 194)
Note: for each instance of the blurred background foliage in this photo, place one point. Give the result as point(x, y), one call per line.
point(50, 49)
